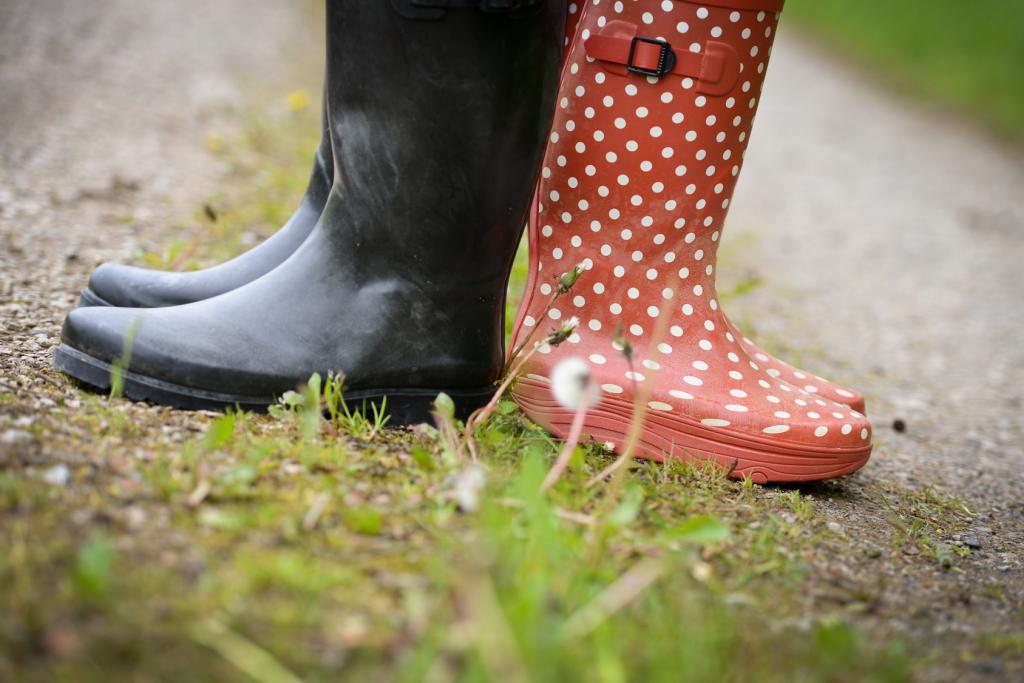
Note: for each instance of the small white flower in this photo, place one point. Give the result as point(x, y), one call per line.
point(468, 485)
point(573, 385)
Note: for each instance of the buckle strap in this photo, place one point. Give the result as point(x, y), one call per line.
point(431, 10)
point(715, 67)
point(665, 63)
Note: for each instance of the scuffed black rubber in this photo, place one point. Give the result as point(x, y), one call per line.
point(402, 406)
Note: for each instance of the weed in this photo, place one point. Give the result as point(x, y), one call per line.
point(120, 364)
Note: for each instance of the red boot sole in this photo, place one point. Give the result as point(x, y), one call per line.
point(686, 439)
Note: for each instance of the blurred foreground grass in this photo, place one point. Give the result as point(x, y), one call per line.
point(271, 548)
point(969, 55)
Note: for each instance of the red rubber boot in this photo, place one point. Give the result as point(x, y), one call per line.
point(655, 108)
point(811, 383)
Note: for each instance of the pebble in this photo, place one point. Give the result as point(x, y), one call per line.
point(702, 571)
point(835, 527)
point(135, 518)
point(289, 467)
point(15, 436)
point(58, 475)
point(972, 542)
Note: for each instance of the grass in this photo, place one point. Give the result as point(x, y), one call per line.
point(967, 55)
point(313, 544)
point(265, 548)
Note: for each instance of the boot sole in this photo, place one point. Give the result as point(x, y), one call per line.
point(89, 298)
point(404, 407)
point(680, 437)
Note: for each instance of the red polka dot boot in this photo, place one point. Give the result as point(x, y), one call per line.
point(776, 367)
point(655, 107)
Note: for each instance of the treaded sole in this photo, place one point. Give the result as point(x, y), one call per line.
point(90, 298)
point(662, 438)
point(405, 406)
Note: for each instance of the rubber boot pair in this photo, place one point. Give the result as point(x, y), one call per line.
point(654, 113)
point(115, 284)
point(437, 115)
point(192, 353)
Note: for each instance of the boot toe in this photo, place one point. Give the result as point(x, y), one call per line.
point(122, 286)
point(816, 423)
point(811, 384)
point(829, 390)
point(100, 332)
point(116, 284)
point(175, 356)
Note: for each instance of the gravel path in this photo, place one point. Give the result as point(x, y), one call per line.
point(106, 118)
point(900, 231)
point(888, 237)
point(890, 240)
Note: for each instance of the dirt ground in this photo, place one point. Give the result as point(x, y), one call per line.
point(886, 237)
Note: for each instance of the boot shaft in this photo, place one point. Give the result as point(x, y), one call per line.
point(438, 126)
point(654, 113)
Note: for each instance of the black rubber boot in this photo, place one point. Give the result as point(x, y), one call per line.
point(437, 126)
point(115, 284)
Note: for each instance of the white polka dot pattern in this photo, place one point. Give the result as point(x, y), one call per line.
point(636, 185)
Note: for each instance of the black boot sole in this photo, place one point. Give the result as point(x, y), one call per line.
point(403, 406)
point(90, 298)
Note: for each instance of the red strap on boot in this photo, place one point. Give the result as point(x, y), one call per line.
point(716, 67)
